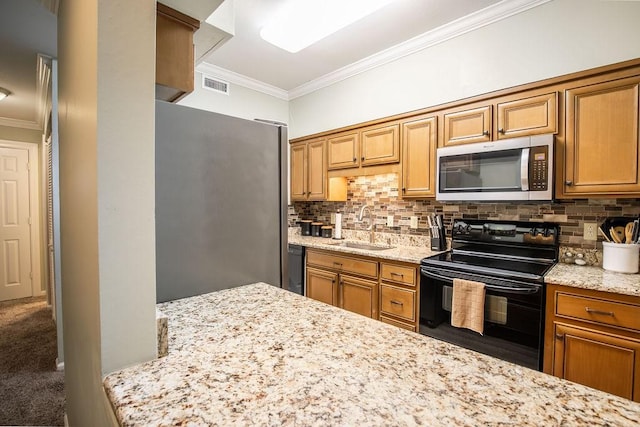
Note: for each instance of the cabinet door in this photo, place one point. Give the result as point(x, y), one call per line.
point(465, 127)
point(322, 286)
point(298, 171)
point(316, 171)
point(380, 145)
point(601, 153)
point(529, 116)
point(359, 296)
point(597, 360)
point(418, 157)
point(343, 151)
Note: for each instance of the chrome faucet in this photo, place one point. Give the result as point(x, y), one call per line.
point(371, 227)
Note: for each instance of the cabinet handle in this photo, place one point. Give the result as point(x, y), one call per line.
point(396, 302)
point(485, 133)
point(339, 264)
point(393, 273)
point(354, 159)
point(568, 182)
point(501, 130)
point(559, 336)
point(604, 313)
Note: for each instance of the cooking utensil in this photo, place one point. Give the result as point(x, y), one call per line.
point(604, 234)
point(628, 233)
point(617, 234)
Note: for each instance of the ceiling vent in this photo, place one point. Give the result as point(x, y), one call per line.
point(215, 85)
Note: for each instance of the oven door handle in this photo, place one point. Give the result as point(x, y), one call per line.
point(511, 289)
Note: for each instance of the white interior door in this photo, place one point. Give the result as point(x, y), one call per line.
point(15, 238)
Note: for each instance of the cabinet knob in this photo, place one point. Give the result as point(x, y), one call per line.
point(404, 190)
point(362, 158)
point(559, 336)
point(568, 182)
point(501, 130)
point(354, 159)
point(485, 133)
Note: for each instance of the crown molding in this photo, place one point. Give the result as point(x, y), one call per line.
point(241, 80)
point(22, 124)
point(453, 29)
point(43, 89)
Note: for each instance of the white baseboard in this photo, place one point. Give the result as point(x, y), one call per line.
point(59, 365)
point(66, 420)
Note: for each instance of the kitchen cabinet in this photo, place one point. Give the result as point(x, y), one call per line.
point(344, 151)
point(398, 295)
point(467, 126)
point(516, 116)
point(309, 179)
point(369, 146)
point(419, 141)
point(593, 338)
point(601, 154)
point(347, 282)
point(174, 53)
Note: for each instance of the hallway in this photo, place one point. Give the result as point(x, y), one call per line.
point(31, 390)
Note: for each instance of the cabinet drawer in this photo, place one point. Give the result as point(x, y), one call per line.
point(342, 264)
point(397, 302)
point(398, 274)
point(598, 311)
point(403, 325)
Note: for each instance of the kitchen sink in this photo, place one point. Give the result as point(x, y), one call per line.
point(367, 246)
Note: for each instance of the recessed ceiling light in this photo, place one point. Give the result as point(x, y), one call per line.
point(4, 93)
point(301, 23)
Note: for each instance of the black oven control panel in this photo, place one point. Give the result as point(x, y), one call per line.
point(509, 232)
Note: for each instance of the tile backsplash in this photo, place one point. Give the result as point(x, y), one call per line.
point(381, 192)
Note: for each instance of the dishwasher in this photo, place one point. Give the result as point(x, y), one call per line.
point(296, 268)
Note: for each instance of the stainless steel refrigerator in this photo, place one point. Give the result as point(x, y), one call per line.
point(220, 202)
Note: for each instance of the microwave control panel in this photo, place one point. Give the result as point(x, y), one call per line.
point(539, 168)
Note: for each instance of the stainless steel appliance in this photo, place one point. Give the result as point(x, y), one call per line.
point(511, 258)
point(220, 202)
point(512, 169)
point(296, 268)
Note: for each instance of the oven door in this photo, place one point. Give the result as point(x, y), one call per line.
point(513, 316)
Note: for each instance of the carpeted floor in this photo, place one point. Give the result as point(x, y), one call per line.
point(31, 390)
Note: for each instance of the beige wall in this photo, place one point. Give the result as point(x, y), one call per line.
point(556, 38)
point(106, 53)
point(18, 134)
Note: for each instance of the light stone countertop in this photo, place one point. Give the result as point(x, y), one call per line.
point(400, 252)
point(594, 278)
point(259, 355)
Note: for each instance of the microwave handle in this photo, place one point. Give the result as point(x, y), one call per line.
point(524, 169)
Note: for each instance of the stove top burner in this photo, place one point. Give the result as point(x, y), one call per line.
point(518, 250)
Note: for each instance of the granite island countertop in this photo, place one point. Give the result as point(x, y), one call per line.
point(259, 355)
point(594, 278)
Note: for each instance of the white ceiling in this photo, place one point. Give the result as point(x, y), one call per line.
point(28, 28)
point(247, 54)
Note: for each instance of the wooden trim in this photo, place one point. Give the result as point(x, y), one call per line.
point(622, 69)
point(178, 16)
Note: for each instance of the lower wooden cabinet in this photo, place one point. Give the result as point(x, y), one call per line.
point(593, 338)
point(358, 295)
point(399, 294)
point(322, 285)
point(597, 360)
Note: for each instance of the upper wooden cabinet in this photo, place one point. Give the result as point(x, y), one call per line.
point(528, 116)
point(380, 145)
point(601, 147)
point(531, 115)
point(308, 171)
point(467, 126)
point(344, 151)
point(370, 146)
point(419, 140)
point(174, 53)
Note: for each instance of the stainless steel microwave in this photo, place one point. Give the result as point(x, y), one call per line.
point(510, 169)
